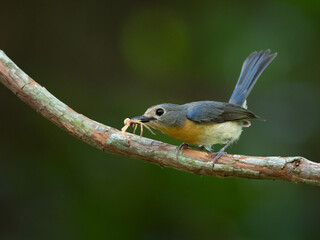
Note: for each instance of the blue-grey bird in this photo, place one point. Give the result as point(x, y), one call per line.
point(209, 122)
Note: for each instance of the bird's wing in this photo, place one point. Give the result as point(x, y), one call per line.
point(217, 112)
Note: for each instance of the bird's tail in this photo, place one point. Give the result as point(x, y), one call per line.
point(252, 68)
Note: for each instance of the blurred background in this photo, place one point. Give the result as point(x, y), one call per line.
point(113, 59)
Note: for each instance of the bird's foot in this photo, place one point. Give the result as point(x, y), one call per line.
point(187, 145)
point(216, 156)
point(219, 154)
point(180, 147)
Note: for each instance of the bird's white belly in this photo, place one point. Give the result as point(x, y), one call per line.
point(221, 133)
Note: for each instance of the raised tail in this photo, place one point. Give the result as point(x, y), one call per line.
point(252, 68)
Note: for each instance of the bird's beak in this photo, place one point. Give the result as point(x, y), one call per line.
point(143, 119)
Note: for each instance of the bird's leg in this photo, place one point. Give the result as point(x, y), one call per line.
point(218, 154)
point(187, 145)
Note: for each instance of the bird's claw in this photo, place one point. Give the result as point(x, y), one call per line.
point(186, 145)
point(217, 156)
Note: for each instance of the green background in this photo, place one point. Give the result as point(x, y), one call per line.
point(113, 59)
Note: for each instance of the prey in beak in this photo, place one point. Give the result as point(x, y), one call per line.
point(142, 120)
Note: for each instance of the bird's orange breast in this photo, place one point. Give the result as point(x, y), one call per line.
point(189, 132)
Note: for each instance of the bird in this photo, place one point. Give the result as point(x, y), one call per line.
point(206, 123)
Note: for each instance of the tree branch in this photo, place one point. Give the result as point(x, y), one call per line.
point(108, 139)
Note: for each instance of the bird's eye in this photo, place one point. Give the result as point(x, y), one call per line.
point(159, 112)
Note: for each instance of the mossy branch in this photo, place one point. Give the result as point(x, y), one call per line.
point(111, 140)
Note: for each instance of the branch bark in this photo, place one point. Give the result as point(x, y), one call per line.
point(108, 139)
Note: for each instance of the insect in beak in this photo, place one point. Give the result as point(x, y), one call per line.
point(135, 121)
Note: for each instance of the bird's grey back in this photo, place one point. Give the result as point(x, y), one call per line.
point(216, 112)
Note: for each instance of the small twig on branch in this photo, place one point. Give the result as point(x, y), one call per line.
point(108, 139)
